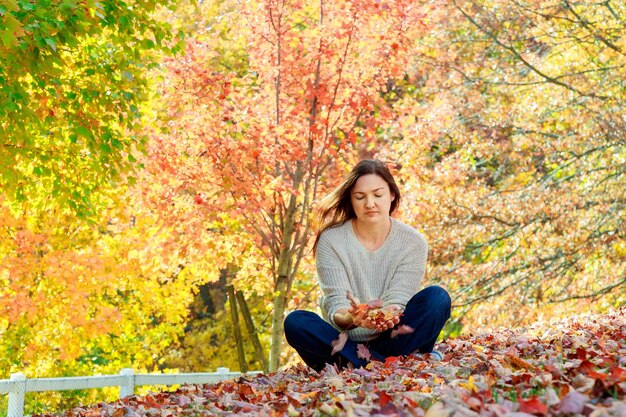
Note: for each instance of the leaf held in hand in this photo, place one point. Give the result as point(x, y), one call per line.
point(375, 303)
point(370, 314)
point(353, 300)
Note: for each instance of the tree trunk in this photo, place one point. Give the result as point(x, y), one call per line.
point(234, 317)
point(247, 317)
point(282, 283)
point(277, 322)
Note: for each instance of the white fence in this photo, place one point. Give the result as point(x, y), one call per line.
point(19, 385)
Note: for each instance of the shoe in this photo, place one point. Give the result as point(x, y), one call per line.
point(436, 355)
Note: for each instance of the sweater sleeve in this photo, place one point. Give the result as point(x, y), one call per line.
point(333, 279)
point(408, 276)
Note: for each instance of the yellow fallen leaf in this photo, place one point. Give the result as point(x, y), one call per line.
point(469, 385)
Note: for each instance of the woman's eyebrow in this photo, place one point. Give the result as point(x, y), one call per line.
point(363, 192)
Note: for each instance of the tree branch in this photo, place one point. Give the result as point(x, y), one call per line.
point(516, 54)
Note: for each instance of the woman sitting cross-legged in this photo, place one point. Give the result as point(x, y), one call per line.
point(361, 249)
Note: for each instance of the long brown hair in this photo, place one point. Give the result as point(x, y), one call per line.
point(336, 208)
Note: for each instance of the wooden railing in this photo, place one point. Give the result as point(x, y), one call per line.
point(18, 385)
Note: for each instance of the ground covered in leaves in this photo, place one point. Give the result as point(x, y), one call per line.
point(575, 367)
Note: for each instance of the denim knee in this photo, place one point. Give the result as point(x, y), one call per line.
point(294, 321)
point(437, 297)
point(440, 297)
point(437, 293)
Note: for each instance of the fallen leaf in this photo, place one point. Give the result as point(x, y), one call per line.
point(391, 359)
point(533, 406)
point(383, 397)
point(573, 403)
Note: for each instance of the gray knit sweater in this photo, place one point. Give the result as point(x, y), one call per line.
point(393, 272)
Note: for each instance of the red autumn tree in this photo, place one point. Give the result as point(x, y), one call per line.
point(258, 123)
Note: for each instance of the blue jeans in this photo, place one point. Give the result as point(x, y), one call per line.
point(311, 336)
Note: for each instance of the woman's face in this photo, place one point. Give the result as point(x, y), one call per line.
point(371, 199)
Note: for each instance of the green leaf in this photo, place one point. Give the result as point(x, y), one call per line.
point(147, 43)
point(83, 131)
point(123, 22)
point(11, 5)
point(116, 143)
point(68, 5)
point(26, 6)
point(41, 171)
point(105, 148)
point(7, 38)
point(51, 43)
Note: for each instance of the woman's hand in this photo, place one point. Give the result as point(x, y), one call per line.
point(392, 313)
point(379, 319)
point(344, 319)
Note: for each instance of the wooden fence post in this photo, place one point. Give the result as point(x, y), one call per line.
point(252, 331)
point(129, 387)
point(16, 397)
point(243, 368)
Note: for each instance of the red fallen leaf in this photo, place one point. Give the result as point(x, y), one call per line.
point(606, 361)
point(411, 402)
point(521, 379)
point(597, 375)
point(363, 352)
point(245, 391)
point(339, 343)
point(293, 401)
point(599, 389)
point(474, 403)
point(384, 398)
point(586, 366)
point(229, 386)
point(556, 372)
point(581, 354)
point(618, 374)
point(391, 359)
point(532, 406)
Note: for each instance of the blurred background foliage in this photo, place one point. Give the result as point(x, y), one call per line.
point(155, 152)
